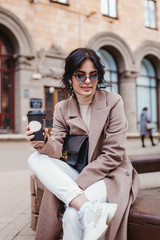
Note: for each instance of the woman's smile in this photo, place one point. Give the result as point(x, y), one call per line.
point(86, 88)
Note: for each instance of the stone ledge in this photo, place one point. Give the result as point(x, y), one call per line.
point(20, 137)
point(137, 135)
point(12, 137)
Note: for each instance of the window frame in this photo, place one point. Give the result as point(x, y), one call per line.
point(109, 72)
point(149, 87)
point(116, 10)
point(148, 11)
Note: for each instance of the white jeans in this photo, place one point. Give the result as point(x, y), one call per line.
point(60, 179)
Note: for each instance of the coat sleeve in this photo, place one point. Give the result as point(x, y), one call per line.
point(54, 144)
point(112, 150)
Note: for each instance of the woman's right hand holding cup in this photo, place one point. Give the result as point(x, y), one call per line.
point(30, 136)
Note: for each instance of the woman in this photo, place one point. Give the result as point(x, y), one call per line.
point(143, 127)
point(103, 192)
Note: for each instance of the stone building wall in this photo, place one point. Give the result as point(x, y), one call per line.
point(70, 26)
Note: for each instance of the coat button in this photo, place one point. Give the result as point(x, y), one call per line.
point(127, 173)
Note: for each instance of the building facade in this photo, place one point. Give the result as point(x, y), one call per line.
point(37, 35)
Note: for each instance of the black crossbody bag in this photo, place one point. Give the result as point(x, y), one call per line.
point(75, 151)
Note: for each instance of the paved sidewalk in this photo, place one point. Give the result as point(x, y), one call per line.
point(14, 186)
point(15, 193)
point(133, 147)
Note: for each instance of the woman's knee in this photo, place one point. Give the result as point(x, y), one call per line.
point(32, 160)
point(97, 192)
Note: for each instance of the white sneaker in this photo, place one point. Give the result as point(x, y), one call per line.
point(95, 220)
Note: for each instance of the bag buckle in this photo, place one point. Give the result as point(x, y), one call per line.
point(65, 156)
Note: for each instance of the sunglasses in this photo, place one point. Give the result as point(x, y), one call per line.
point(82, 77)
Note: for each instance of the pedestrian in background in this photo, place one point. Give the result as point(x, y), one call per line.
point(143, 127)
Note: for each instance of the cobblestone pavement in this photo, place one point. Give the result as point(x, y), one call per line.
point(14, 186)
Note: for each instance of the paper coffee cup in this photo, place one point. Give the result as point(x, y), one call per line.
point(36, 121)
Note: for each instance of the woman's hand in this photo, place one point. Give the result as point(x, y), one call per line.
point(30, 136)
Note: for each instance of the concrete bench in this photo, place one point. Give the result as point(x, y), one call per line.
point(144, 217)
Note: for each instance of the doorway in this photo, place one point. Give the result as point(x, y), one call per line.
point(6, 85)
point(52, 96)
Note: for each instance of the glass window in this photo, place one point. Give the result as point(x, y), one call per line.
point(146, 92)
point(109, 8)
point(7, 92)
point(150, 13)
point(143, 81)
point(6, 47)
point(7, 123)
point(111, 72)
point(153, 105)
point(6, 85)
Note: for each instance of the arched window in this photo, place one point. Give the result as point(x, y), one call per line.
point(6, 85)
point(111, 72)
point(147, 91)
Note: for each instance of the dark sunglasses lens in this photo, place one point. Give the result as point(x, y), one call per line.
point(93, 77)
point(80, 77)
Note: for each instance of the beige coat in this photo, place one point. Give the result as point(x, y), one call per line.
point(106, 157)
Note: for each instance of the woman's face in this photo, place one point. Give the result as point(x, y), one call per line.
point(87, 87)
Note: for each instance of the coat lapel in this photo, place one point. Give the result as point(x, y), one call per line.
point(75, 116)
point(99, 114)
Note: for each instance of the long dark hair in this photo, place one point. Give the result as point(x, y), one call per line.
point(74, 61)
